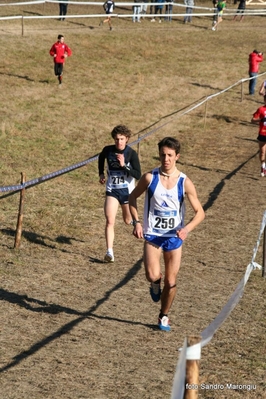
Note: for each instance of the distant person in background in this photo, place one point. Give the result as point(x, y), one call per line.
point(169, 10)
point(108, 7)
point(260, 117)
point(63, 10)
point(136, 11)
point(240, 10)
point(123, 168)
point(158, 9)
point(152, 7)
point(189, 10)
point(254, 60)
point(221, 4)
point(215, 12)
point(144, 7)
point(60, 51)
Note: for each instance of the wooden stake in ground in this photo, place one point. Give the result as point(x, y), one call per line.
point(205, 114)
point(20, 214)
point(264, 254)
point(192, 367)
point(22, 26)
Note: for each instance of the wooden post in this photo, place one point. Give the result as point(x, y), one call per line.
point(192, 368)
point(138, 147)
point(205, 114)
point(264, 254)
point(20, 214)
point(22, 26)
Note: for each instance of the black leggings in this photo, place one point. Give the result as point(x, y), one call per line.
point(58, 69)
point(62, 8)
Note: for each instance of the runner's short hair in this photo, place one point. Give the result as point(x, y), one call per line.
point(170, 142)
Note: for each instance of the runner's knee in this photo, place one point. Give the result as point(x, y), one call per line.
point(169, 286)
point(151, 276)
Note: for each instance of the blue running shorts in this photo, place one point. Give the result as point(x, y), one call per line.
point(166, 243)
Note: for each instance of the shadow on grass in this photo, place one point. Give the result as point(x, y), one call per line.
point(96, 260)
point(18, 76)
point(35, 305)
point(40, 239)
point(42, 306)
point(229, 119)
point(190, 24)
point(247, 139)
point(32, 13)
point(206, 86)
point(79, 24)
point(252, 98)
point(25, 77)
point(218, 188)
point(59, 19)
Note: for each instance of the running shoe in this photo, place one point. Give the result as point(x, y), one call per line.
point(109, 258)
point(163, 324)
point(155, 291)
point(262, 172)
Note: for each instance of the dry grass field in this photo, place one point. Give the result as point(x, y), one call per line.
point(70, 325)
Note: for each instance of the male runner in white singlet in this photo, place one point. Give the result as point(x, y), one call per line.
point(164, 228)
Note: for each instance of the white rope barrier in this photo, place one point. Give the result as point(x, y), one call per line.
point(15, 17)
point(22, 3)
point(208, 333)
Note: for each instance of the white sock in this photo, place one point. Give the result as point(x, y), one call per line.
point(110, 251)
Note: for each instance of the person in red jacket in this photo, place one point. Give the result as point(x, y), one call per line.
point(60, 51)
point(254, 59)
point(260, 117)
